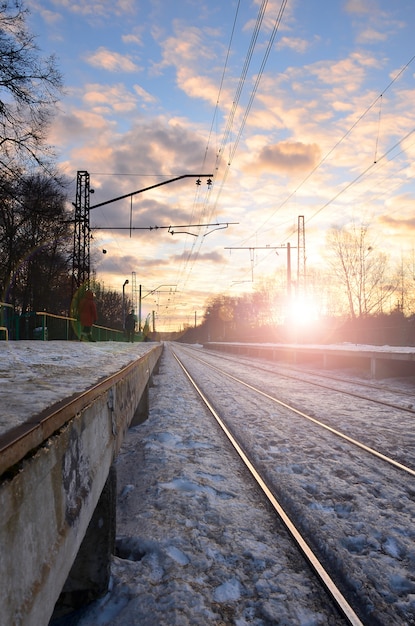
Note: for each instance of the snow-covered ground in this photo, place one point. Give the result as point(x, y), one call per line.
point(347, 346)
point(387, 430)
point(36, 374)
point(45, 372)
point(196, 546)
point(357, 511)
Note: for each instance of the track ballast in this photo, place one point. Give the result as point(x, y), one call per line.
point(352, 502)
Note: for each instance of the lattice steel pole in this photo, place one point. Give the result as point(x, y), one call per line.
point(82, 234)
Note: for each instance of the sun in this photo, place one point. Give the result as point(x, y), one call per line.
point(302, 311)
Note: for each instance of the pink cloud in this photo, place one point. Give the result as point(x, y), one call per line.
point(111, 61)
point(285, 157)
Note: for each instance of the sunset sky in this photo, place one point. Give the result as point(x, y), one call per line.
point(297, 107)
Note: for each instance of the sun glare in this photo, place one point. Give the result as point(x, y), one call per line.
point(303, 311)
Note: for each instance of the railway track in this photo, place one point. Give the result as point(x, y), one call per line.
point(390, 432)
point(353, 504)
point(355, 387)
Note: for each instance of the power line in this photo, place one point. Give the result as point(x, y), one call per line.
point(171, 228)
point(185, 263)
point(221, 82)
point(238, 93)
point(259, 76)
point(327, 155)
point(241, 81)
point(352, 182)
point(234, 106)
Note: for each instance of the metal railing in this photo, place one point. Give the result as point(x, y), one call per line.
point(6, 312)
point(45, 326)
point(50, 326)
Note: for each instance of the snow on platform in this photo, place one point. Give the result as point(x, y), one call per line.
point(36, 374)
point(384, 350)
point(380, 361)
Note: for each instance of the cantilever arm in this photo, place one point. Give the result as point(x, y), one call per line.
point(164, 182)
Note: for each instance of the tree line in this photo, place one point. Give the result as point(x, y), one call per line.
point(359, 296)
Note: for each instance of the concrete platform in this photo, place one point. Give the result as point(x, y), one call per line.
point(377, 361)
point(57, 495)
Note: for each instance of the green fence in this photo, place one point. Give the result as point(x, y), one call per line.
point(44, 326)
point(49, 326)
point(6, 316)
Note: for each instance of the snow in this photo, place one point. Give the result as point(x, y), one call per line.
point(44, 372)
point(346, 346)
point(359, 513)
point(195, 545)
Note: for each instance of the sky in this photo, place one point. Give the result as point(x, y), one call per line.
point(297, 111)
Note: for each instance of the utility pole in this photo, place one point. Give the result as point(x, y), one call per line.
point(82, 230)
point(252, 249)
point(134, 290)
point(156, 290)
point(301, 258)
point(82, 233)
point(301, 265)
point(289, 270)
point(123, 302)
point(139, 310)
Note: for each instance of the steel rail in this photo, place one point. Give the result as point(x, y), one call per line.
point(340, 601)
point(334, 431)
point(324, 386)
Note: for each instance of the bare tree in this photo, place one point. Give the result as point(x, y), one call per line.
point(405, 279)
point(359, 269)
point(35, 245)
point(29, 87)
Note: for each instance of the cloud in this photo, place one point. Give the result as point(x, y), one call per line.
point(371, 35)
point(132, 38)
point(285, 157)
point(181, 50)
point(151, 151)
point(144, 95)
point(112, 263)
point(76, 127)
point(400, 214)
point(293, 43)
point(373, 24)
point(361, 8)
point(109, 98)
point(98, 8)
point(348, 73)
point(111, 61)
point(198, 86)
point(212, 257)
point(272, 10)
point(147, 215)
point(188, 44)
point(51, 17)
point(400, 225)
